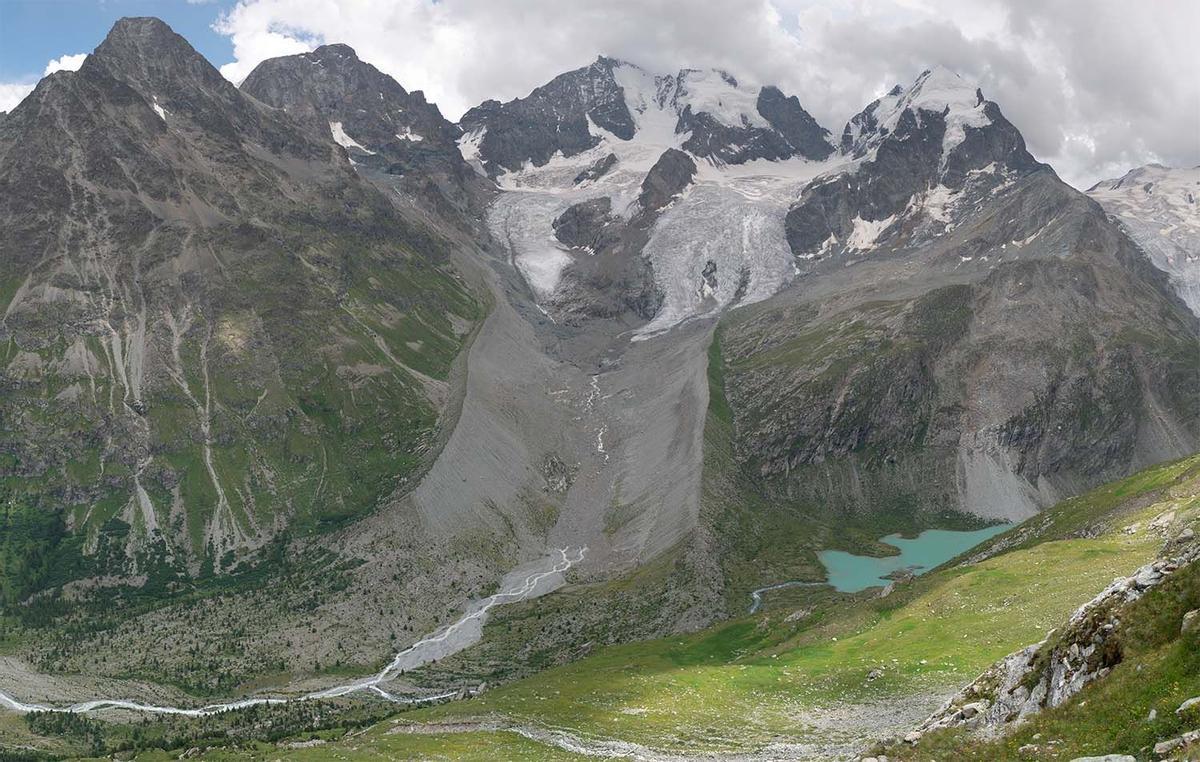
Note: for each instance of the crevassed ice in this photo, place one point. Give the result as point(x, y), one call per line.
point(714, 223)
point(1160, 209)
point(732, 215)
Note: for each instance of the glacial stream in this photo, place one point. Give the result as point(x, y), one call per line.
point(455, 637)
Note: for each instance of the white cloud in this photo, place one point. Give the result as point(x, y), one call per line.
point(12, 93)
point(65, 63)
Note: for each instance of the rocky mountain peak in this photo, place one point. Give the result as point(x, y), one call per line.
point(706, 112)
point(335, 51)
point(916, 160)
point(178, 86)
point(156, 219)
point(150, 56)
point(937, 93)
point(379, 123)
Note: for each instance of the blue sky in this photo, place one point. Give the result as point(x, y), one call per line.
point(34, 32)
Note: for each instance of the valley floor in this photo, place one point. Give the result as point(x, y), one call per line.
point(815, 675)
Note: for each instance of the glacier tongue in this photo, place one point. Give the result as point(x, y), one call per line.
point(732, 217)
point(721, 241)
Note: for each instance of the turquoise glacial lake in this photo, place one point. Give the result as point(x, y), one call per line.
point(849, 573)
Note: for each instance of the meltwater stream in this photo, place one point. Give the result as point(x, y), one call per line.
point(443, 642)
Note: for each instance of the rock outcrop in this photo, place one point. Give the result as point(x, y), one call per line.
point(1048, 673)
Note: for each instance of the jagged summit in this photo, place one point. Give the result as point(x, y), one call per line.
point(939, 92)
point(142, 33)
point(706, 112)
point(916, 160)
point(335, 50)
point(379, 123)
point(145, 51)
point(142, 60)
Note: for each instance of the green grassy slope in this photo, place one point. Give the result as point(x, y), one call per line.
point(800, 677)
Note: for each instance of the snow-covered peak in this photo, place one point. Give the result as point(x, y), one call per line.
point(706, 112)
point(704, 91)
point(714, 92)
point(1153, 181)
point(936, 91)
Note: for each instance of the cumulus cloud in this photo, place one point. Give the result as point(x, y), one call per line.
point(65, 63)
point(13, 93)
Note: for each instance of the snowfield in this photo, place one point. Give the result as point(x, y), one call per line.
point(1160, 208)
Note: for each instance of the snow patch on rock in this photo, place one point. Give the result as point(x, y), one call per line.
point(345, 141)
point(867, 232)
point(468, 146)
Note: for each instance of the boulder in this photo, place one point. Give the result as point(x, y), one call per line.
point(1163, 748)
point(972, 709)
point(1191, 623)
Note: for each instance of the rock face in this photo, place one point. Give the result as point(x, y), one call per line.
point(668, 177)
point(614, 280)
point(716, 117)
point(377, 121)
point(968, 333)
point(916, 154)
point(216, 331)
point(553, 118)
point(598, 169)
point(1047, 674)
point(1160, 209)
point(588, 225)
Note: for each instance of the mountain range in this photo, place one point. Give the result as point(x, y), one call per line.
point(292, 371)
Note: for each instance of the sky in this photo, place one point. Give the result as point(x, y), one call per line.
point(1095, 86)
